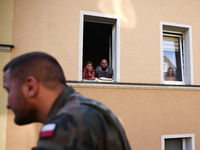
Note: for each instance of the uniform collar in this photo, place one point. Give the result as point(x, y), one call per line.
point(65, 96)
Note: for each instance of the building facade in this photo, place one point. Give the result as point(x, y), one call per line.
point(152, 46)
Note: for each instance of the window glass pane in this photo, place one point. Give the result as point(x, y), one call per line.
point(173, 144)
point(172, 58)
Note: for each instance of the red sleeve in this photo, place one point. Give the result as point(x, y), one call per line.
point(84, 73)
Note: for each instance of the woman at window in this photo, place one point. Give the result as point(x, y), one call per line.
point(170, 75)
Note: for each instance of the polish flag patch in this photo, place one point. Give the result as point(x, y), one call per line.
point(47, 130)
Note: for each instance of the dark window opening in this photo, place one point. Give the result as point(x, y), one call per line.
point(173, 144)
point(97, 43)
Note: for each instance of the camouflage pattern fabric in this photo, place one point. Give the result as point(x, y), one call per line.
point(78, 123)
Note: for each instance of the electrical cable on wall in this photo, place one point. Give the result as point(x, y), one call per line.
point(57, 40)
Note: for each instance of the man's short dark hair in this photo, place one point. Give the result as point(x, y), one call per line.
point(42, 66)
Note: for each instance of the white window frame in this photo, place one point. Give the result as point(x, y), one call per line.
point(188, 140)
point(186, 30)
point(115, 40)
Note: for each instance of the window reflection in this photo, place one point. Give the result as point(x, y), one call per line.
point(172, 57)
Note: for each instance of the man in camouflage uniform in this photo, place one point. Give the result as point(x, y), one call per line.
point(37, 92)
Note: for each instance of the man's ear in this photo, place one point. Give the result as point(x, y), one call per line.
point(30, 87)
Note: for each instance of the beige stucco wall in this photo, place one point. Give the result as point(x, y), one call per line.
point(21, 137)
point(58, 34)
point(6, 23)
point(4, 57)
point(146, 116)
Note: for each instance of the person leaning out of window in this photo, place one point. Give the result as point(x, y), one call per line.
point(104, 70)
point(88, 71)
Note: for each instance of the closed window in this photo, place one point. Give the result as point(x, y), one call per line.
point(178, 142)
point(176, 54)
point(173, 57)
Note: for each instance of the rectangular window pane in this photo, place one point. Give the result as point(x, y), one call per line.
point(172, 57)
point(173, 144)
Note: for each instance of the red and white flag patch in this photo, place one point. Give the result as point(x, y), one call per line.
point(47, 130)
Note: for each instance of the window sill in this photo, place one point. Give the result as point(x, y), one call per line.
point(80, 84)
point(5, 47)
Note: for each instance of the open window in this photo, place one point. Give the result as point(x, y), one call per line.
point(99, 39)
point(97, 42)
point(176, 54)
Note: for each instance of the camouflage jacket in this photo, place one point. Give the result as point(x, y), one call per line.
point(78, 123)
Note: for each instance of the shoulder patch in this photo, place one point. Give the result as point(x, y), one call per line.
point(47, 130)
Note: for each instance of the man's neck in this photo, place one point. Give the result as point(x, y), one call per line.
point(46, 100)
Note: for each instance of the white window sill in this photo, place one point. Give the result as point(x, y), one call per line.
point(132, 86)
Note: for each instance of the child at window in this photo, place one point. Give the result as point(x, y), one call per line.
point(88, 71)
